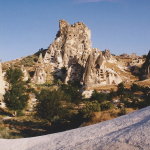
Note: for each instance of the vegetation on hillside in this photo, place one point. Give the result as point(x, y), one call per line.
point(64, 107)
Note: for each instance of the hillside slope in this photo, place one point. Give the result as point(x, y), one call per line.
point(131, 131)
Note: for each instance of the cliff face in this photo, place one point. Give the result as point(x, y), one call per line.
point(72, 49)
point(72, 44)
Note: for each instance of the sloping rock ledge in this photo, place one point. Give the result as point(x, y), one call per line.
point(131, 131)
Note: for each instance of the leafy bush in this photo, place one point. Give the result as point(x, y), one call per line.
point(90, 107)
point(123, 111)
point(100, 97)
point(106, 105)
point(72, 93)
point(134, 88)
point(145, 90)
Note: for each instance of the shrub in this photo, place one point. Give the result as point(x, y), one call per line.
point(72, 93)
point(106, 105)
point(100, 97)
point(145, 90)
point(90, 107)
point(29, 60)
point(123, 111)
point(134, 88)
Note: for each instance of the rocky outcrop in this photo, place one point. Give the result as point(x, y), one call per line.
point(107, 54)
point(2, 90)
point(39, 75)
point(25, 74)
point(97, 73)
point(71, 43)
point(40, 59)
point(72, 49)
point(74, 73)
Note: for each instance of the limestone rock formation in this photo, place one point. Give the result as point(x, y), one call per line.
point(2, 90)
point(72, 49)
point(74, 73)
point(25, 77)
point(71, 43)
point(39, 75)
point(97, 73)
point(40, 59)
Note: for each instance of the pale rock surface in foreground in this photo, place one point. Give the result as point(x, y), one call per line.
point(131, 131)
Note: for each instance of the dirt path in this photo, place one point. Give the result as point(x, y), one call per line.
point(5, 118)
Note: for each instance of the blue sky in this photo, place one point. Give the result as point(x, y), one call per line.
point(123, 26)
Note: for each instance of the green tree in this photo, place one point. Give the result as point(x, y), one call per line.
point(15, 97)
point(112, 94)
point(72, 93)
point(49, 105)
point(134, 87)
point(14, 76)
point(121, 89)
point(76, 96)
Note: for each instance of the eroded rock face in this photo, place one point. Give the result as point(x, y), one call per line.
point(72, 49)
point(39, 75)
point(2, 90)
point(40, 59)
point(25, 77)
point(72, 43)
point(74, 73)
point(96, 73)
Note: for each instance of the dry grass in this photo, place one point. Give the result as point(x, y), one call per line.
point(144, 82)
point(106, 87)
point(105, 115)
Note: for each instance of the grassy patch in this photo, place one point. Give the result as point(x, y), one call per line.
point(105, 115)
